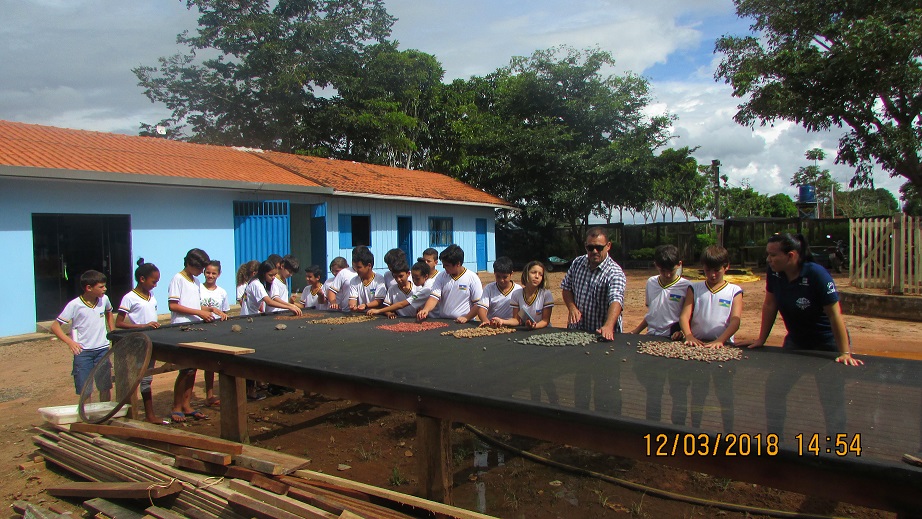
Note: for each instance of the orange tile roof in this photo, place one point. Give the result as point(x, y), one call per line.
point(348, 177)
point(47, 147)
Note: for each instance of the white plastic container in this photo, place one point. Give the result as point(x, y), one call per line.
point(67, 414)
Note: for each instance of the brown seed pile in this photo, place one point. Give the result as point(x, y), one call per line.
point(296, 317)
point(469, 333)
point(679, 350)
point(344, 320)
point(412, 327)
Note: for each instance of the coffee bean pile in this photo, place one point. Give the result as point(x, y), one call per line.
point(412, 327)
point(679, 350)
point(296, 317)
point(344, 320)
point(561, 339)
point(469, 333)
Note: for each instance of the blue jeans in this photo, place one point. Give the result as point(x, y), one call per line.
point(83, 365)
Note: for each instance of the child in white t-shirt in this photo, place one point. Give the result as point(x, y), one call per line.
point(455, 289)
point(138, 310)
point(665, 295)
point(367, 289)
point(214, 298)
point(497, 296)
point(406, 297)
point(532, 306)
point(312, 295)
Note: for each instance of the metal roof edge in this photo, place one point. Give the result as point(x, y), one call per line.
point(134, 178)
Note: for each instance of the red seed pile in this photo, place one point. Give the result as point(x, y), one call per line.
point(412, 327)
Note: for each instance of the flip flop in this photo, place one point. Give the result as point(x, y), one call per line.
point(198, 415)
point(177, 417)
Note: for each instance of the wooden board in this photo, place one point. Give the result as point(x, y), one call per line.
point(110, 509)
point(196, 442)
point(218, 458)
point(216, 348)
point(283, 503)
point(141, 490)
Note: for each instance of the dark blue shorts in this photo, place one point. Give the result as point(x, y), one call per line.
point(83, 365)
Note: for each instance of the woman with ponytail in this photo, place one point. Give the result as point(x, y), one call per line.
point(806, 296)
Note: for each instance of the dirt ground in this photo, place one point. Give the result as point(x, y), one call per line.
point(378, 444)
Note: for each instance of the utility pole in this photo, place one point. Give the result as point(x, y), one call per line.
point(719, 223)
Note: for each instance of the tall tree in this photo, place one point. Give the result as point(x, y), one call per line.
point(912, 200)
point(255, 70)
point(821, 179)
point(384, 107)
point(541, 132)
point(836, 64)
point(864, 202)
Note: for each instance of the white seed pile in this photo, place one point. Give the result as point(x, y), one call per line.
point(679, 350)
point(469, 333)
point(344, 320)
point(561, 339)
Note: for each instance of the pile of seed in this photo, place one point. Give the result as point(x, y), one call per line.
point(344, 320)
point(412, 327)
point(679, 350)
point(469, 333)
point(296, 317)
point(561, 339)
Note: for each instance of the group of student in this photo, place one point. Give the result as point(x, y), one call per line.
point(91, 316)
point(703, 313)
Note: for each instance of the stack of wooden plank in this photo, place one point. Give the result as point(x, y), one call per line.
point(137, 470)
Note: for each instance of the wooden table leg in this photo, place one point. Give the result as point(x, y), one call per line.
point(232, 391)
point(122, 382)
point(434, 458)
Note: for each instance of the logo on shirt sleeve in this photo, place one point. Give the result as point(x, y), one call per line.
point(830, 288)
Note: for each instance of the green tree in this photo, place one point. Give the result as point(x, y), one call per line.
point(912, 201)
point(542, 133)
point(743, 202)
point(384, 107)
point(826, 65)
point(680, 185)
point(821, 180)
point(864, 202)
point(254, 70)
point(781, 206)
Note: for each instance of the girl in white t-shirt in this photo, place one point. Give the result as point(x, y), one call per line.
point(245, 274)
point(531, 306)
point(256, 296)
point(214, 298)
point(138, 309)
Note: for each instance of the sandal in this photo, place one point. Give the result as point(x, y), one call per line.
point(213, 402)
point(198, 415)
point(177, 417)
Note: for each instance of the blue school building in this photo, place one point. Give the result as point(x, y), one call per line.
point(75, 200)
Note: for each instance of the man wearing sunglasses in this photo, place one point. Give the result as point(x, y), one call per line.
point(593, 288)
point(593, 291)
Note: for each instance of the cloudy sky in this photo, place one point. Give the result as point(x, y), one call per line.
point(68, 63)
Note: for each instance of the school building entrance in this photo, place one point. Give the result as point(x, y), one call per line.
point(66, 245)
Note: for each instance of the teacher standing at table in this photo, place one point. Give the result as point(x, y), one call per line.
point(806, 296)
point(593, 290)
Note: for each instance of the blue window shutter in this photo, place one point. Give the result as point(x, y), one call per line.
point(345, 231)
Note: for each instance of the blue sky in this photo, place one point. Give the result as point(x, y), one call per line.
point(68, 63)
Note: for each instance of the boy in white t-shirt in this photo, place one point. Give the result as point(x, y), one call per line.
point(497, 296)
point(90, 315)
point(405, 298)
point(367, 289)
point(312, 295)
point(338, 291)
point(455, 290)
point(665, 295)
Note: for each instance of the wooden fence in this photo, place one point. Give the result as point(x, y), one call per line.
point(886, 253)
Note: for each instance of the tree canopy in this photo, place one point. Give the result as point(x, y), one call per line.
point(837, 64)
point(255, 72)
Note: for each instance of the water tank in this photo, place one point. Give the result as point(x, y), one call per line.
point(807, 195)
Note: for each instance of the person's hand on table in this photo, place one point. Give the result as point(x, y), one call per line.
point(751, 344)
point(848, 360)
point(574, 316)
point(422, 315)
point(153, 324)
point(333, 305)
point(691, 340)
point(678, 336)
point(373, 312)
point(205, 315)
point(607, 332)
point(461, 320)
point(714, 345)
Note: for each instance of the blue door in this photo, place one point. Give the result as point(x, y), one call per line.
point(319, 236)
point(481, 244)
point(261, 229)
point(405, 236)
